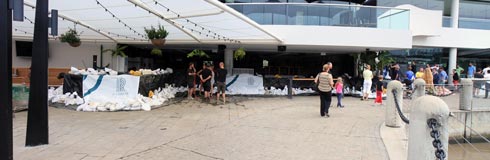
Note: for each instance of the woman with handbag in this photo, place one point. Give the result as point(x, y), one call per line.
point(325, 83)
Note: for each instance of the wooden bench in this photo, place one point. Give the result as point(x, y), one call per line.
point(21, 75)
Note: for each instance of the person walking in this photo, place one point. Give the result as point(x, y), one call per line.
point(324, 81)
point(367, 74)
point(191, 80)
point(379, 91)
point(221, 82)
point(339, 90)
point(206, 82)
point(471, 70)
point(443, 80)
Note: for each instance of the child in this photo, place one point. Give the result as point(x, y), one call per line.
point(379, 90)
point(339, 86)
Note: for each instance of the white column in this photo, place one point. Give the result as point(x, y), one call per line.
point(229, 61)
point(453, 52)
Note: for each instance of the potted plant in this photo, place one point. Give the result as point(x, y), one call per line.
point(198, 53)
point(118, 58)
point(156, 51)
point(239, 53)
point(118, 51)
point(157, 35)
point(71, 37)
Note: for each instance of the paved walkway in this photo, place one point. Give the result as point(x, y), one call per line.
point(255, 128)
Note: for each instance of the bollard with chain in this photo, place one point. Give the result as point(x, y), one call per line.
point(466, 95)
point(394, 96)
point(428, 133)
point(419, 88)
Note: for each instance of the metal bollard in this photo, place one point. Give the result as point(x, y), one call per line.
point(421, 145)
point(419, 88)
point(392, 119)
point(466, 95)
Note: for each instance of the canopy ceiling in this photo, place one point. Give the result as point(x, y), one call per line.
point(187, 21)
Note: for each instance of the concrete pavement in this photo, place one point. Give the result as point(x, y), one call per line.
point(251, 128)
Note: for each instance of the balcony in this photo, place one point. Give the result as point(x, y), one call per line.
point(325, 15)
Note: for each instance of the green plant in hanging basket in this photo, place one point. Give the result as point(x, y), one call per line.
point(156, 51)
point(118, 51)
point(197, 53)
point(156, 35)
point(239, 53)
point(71, 37)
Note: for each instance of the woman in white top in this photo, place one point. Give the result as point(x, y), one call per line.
point(368, 82)
point(324, 81)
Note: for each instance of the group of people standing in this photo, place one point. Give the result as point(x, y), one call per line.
point(206, 79)
point(478, 84)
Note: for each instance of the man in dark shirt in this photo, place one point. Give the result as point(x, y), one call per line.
point(221, 81)
point(191, 80)
point(206, 81)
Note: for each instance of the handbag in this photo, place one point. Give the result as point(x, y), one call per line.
point(315, 88)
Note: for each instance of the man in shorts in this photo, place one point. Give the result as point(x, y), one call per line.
point(206, 81)
point(221, 81)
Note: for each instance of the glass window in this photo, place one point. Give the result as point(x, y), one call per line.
point(296, 14)
point(254, 12)
point(275, 14)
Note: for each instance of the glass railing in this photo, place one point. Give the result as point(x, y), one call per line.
point(469, 23)
point(325, 15)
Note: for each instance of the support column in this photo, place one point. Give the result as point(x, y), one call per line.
point(453, 52)
point(229, 61)
point(37, 117)
point(6, 150)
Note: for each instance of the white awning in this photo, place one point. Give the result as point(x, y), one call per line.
point(187, 21)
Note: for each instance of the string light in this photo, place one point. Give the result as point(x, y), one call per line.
point(30, 21)
point(195, 25)
point(127, 37)
point(119, 20)
point(25, 32)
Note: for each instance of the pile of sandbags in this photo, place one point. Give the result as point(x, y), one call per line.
point(158, 71)
point(91, 71)
point(160, 96)
point(57, 96)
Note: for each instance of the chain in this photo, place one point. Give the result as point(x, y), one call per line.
point(400, 113)
point(434, 133)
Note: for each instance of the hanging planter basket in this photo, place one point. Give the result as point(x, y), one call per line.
point(75, 44)
point(71, 37)
point(158, 42)
point(156, 35)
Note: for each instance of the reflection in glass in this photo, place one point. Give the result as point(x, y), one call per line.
point(325, 15)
